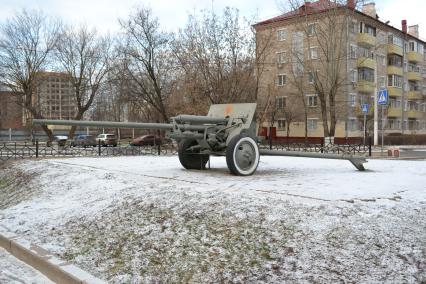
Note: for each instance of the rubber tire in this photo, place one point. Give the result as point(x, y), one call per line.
point(230, 151)
point(191, 161)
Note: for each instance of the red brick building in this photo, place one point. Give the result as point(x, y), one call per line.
point(10, 112)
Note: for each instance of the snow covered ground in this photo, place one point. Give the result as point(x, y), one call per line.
point(146, 219)
point(14, 271)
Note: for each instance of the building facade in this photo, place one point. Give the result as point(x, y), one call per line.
point(55, 96)
point(350, 53)
point(10, 111)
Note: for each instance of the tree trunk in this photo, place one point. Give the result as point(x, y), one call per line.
point(324, 117)
point(332, 115)
point(71, 133)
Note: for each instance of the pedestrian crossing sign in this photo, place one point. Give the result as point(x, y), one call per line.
point(382, 97)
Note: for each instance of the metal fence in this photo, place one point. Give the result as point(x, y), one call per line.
point(25, 150)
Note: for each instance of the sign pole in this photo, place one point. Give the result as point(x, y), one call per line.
point(365, 119)
point(383, 122)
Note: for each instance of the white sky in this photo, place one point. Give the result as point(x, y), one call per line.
point(103, 14)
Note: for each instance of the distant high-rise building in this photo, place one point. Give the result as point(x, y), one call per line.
point(55, 95)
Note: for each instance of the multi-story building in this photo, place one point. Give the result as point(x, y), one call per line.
point(308, 46)
point(10, 110)
point(55, 95)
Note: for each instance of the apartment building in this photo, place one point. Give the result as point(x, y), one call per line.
point(299, 50)
point(55, 95)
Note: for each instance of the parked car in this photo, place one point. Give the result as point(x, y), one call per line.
point(83, 140)
point(61, 139)
point(107, 139)
point(146, 140)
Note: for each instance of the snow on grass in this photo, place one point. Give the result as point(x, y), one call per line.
point(145, 219)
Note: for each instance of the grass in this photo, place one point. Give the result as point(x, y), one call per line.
point(15, 187)
point(178, 243)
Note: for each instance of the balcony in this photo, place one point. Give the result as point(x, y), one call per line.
point(414, 76)
point(414, 114)
point(366, 39)
point(414, 95)
point(366, 62)
point(414, 56)
point(394, 91)
point(365, 86)
point(394, 70)
point(414, 73)
point(395, 49)
point(394, 112)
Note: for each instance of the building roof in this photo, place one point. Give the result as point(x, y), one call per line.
point(309, 8)
point(320, 6)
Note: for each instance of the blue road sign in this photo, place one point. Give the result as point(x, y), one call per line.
point(364, 108)
point(382, 97)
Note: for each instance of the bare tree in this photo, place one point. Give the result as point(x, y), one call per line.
point(149, 69)
point(85, 57)
point(26, 44)
point(216, 53)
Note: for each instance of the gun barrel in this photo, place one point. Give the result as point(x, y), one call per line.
point(111, 124)
point(200, 119)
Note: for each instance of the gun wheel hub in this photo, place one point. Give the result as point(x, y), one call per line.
point(242, 155)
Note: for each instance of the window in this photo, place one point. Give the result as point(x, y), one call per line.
point(365, 74)
point(281, 80)
point(311, 77)
point(280, 102)
point(352, 124)
point(352, 75)
point(370, 30)
point(413, 68)
point(311, 29)
point(312, 100)
point(365, 52)
point(313, 53)
point(413, 86)
point(352, 51)
point(420, 48)
point(312, 123)
point(381, 59)
point(394, 124)
point(281, 124)
point(394, 103)
point(281, 34)
point(411, 45)
point(381, 82)
point(352, 27)
point(281, 57)
point(352, 100)
point(395, 81)
point(395, 40)
point(394, 60)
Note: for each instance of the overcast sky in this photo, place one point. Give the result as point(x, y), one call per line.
point(103, 14)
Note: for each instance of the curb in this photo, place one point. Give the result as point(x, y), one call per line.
point(47, 264)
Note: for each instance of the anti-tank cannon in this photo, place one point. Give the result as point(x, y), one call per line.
point(227, 130)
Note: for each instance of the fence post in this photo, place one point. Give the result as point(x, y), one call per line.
point(159, 149)
point(369, 146)
point(36, 148)
point(99, 147)
point(322, 145)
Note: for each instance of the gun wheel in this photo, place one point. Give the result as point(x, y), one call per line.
point(242, 155)
point(191, 160)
